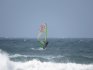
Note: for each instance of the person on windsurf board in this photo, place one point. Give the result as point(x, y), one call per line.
point(42, 36)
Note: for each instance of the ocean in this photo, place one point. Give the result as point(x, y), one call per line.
point(60, 54)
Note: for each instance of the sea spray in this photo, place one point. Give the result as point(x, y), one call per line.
point(5, 63)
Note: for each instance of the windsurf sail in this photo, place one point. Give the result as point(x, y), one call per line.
point(42, 35)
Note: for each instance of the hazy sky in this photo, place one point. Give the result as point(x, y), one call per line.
point(65, 18)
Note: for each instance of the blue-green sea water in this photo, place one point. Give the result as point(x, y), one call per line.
point(60, 54)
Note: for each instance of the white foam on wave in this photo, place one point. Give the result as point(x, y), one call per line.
point(37, 49)
point(7, 64)
point(49, 57)
point(18, 55)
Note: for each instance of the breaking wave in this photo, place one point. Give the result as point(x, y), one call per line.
point(7, 64)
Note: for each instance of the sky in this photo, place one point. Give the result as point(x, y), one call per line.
point(65, 18)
